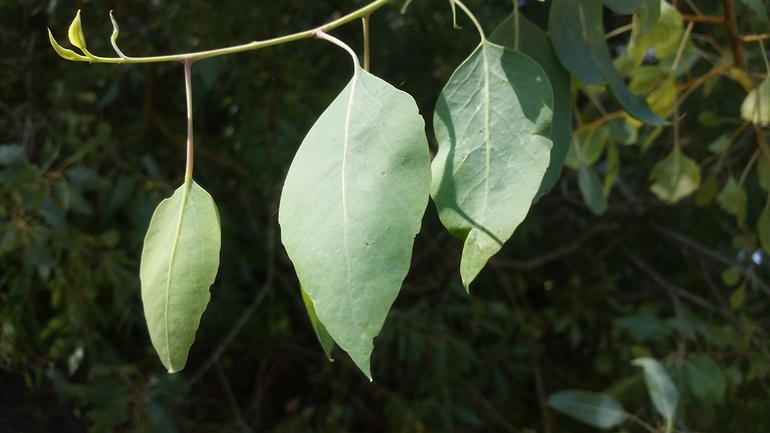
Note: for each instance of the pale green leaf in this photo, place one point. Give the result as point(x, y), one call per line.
point(705, 379)
point(662, 392)
point(577, 34)
point(613, 168)
point(674, 177)
point(351, 206)
point(590, 144)
point(732, 199)
point(180, 259)
point(326, 340)
point(763, 172)
point(763, 229)
point(756, 107)
point(535, 43)
point(595, 409)
point(707, 192)
point(732, 275)
point(719, 145)
point(662, 99)
point(492, 121)
point(591, 189)
point(75, 33)
point(645, 79)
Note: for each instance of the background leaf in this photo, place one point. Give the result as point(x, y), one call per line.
point(591, 189)
point(664, 395)
point(593, 408)
point(674, 177)
point(491, 121)
point(732, 199)
point(351, 205)
point(180, 259)
point(705, 378)
point(756, 106)
point(536, 44)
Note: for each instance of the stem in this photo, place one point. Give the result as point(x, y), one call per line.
point(320, 34)
point(680, 51)
point(748, 166)
point(364, 11)
point(473, 18)
point(516, 24)
point(669, 425)
point(732, 32)
point(365, 21)
point(188, 92)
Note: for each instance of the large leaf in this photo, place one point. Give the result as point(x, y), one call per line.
point(352, 205)
point(664, 395)
point(535, 43)
point(180, 259)
point(674, 177)
point(492, 121)
point(577, 34)
point(705, 379)
point(326, 340)
point(593, 408)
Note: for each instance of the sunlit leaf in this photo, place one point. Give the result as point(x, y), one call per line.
point(591, 189)
point(577, 34)
point(326, 340)
point(536, 44)
point(593, 408)
point(180, 259)
point(662, 392)
point(674, 177)
point(75, 33)
point(351, 205)
point(662, 99)
point(589, 144)
point(732, 199)
point(492, 121)
point(756, 107)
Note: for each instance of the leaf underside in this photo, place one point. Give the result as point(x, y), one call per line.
point(535, 43)
point(180, 260)
point(492, 123)
point(593, 408)
point(662, 391)
point(326, 340)
point(351, 206)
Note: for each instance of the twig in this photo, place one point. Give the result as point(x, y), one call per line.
point(697, 81)
point(541, 394)
point(486, 404)
point(708, 253)
point(548, 257)
point(231, 398)
point(716, 292)
point(732, 31)
point(703, 19)
point(233, 332)
point(753, 38)
point(672, 290)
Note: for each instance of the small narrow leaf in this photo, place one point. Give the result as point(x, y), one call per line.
point(756, 107)
point(65, 53)
point(613, 168)
point(763, 229)
point(732, 199)
point(591, 189)
point(664, 395)
point(351, 206)
point(536, 44)
point(75, 33)
point(763, 172)
point(593, 408)
point(180, 259)
point(577, 34)
point(492, 121)
point(326, 340)
point(705, 379)
point(674, 177)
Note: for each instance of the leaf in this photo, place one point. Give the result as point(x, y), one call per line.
point(763, 228)
point(326, 340)
point(763, 172)
point(756, 107)
point(536, 44)
point(623, 132)
point(759, 12)
point(706, 192)
point(491, 121)
point(613, 168)
point(674, 177)
point(180, 259)
point(591, 189)
point(593, 408)
point(590, 144)
point(662, 391)
point(737, 297)
point(719, 145)
point(732, 275)
point(732, 199)
point(709, 119)
point(623, 7)
point(351, 206)
point(649, 12)
point(705, 379)
point(577, 34)
point(662, 99)
point(75, 33)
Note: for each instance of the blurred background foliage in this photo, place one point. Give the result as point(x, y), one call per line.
point(87, 152)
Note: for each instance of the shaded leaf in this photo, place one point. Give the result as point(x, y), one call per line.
point(491, 121)
point(707, 192)
point(674, 177)
point(180, 260)
point(326, 340)
point(664, 395)
point(649, 14)
point(759, 12)
point(732, 275)
point(591, 189)
point(536, 44)
point(577, 34)
point(593, 408)
point(756, 107)
point(732, 199)
point(363, 171)
point(763, 172)
point(613, 168)
point(737, 297)
point(625, 7)
point(721, 144)
point(623, 132)
point(763, 228)
point(709, 119)
point(589, 144)
point(705, 378)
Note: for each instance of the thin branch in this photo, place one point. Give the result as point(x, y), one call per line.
point(504, 423)
point(231, 398)
point(703, 19)
point(547, 427)
point(732, 31)
point(672, 290)
point(753, 38)
point(548, 257)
